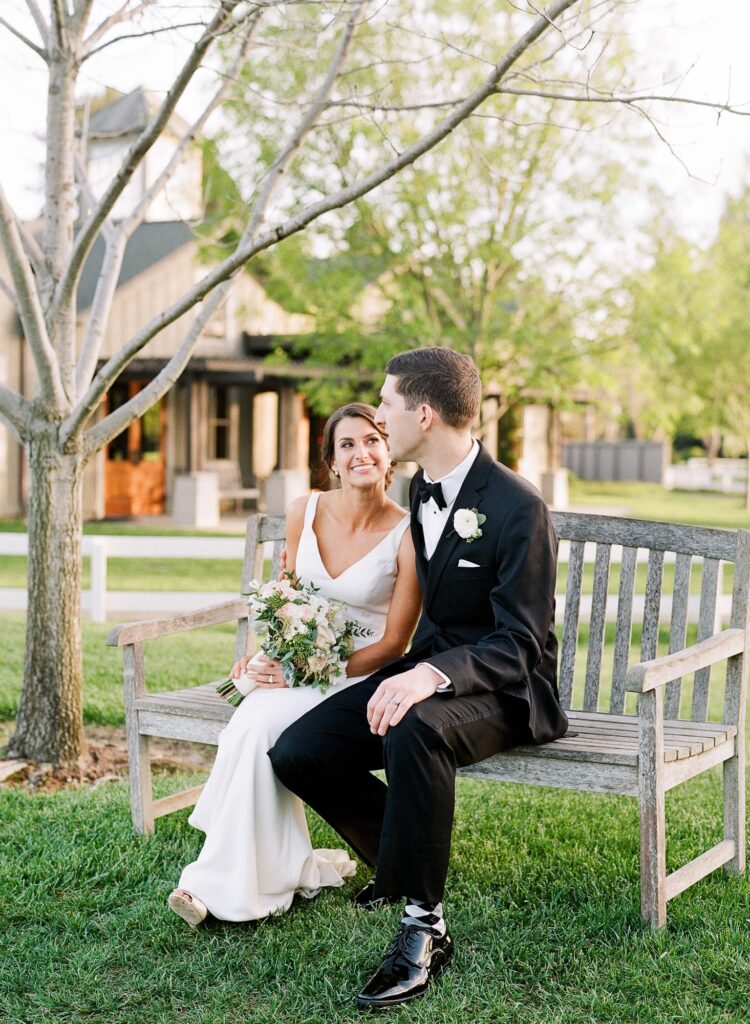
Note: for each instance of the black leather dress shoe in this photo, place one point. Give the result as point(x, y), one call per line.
point(415, 958)
point(367, 900)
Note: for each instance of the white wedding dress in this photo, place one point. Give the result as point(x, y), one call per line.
point(257, 852)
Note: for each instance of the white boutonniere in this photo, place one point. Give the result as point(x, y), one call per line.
point(467, 522)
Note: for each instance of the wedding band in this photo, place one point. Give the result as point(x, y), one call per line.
point(396, 702)
point(270, 679)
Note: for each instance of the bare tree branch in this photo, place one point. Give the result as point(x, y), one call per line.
point(29, 305)
point(88, 199)
point(138, 150)
point(38, 50)
point(594, 97)
point(59, 22)
point(82, 10)
point(107, 284)
point(113, 424)
point(39, 20)
point(33, 250)
point(147, 33)
point(312, 114)
point(583, 97)
point(14, 410)
point(114, 19)
point(246, 249)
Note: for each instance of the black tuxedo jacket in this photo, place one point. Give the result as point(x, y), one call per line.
point(490, 628)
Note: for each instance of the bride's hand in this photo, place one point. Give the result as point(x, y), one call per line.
point(264, 671)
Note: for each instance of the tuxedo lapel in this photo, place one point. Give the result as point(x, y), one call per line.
point(468, 497)
point(418, 534)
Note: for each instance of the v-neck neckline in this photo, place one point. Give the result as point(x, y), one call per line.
point(366, 554)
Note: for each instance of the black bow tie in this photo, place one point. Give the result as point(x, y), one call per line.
point(434, 491)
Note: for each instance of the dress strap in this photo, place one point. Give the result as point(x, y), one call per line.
point(310, 507)
point(399, 530)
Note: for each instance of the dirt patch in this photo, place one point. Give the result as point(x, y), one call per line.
point(105, 759)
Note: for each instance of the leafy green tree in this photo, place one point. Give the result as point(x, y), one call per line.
point(689, 334)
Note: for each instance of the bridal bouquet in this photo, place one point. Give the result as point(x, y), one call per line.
point(309, 635)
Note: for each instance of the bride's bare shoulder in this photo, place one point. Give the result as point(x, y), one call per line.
point(295, 516)
point(397, 512)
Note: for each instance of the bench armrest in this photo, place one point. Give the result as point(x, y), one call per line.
point(135, 632)
point(649, 674)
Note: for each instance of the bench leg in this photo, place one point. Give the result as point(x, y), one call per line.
point(141, 793)
point(651, 805)
point(734, 811)
point(653, 864)
point(141, 798)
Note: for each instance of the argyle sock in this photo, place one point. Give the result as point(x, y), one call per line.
point(424, 915)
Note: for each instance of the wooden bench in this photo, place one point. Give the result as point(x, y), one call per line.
point(672, 735)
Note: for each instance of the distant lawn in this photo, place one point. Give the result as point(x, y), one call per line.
point(186, 659)
point(650, 501)
point(184, 574)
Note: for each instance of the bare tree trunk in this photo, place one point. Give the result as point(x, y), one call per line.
point(49, 725)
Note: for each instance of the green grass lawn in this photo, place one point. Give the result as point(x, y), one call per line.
point(185, 659)
point(183, 574)
point(650, 501)
point(542, 902)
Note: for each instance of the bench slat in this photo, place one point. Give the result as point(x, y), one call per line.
point(706, 625)
point(650, 639)
point(711, 728)
point(570, 623)
point(678, 628)
point(624, 628)
point(596, 627)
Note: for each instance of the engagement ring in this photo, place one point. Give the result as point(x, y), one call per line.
point(396, 702)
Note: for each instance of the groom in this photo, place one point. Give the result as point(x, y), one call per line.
point(480, 676)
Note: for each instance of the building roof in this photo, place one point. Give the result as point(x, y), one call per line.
point(127, 115)
point(121, 117)
point(149, 243)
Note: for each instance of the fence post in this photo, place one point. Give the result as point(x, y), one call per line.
point(98, 579)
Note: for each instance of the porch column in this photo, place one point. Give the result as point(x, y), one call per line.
point(294, 430)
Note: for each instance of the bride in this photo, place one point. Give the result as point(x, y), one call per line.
point(354, 545)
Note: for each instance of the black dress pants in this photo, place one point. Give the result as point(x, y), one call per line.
point(404, 829)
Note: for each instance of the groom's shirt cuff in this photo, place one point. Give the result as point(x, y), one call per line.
point(446, 686)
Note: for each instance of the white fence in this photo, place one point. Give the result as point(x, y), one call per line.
point(98, 601)
point(726, 475)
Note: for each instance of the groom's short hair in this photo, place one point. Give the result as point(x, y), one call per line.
point(446, 380)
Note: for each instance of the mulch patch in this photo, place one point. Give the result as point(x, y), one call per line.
point(105, 760)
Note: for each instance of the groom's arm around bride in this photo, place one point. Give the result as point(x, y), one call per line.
point(480, 676)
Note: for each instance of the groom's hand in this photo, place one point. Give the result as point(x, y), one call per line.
point(396, 695)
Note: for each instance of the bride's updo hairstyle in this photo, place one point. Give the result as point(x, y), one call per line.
point(357, 410)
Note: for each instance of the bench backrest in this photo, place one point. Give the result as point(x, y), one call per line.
point(690, 593)
point(695, 558)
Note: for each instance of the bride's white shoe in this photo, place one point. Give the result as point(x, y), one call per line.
point(188, 907)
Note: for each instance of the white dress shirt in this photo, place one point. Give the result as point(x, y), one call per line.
point(433, 520)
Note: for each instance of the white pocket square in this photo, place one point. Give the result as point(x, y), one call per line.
point(463, 563)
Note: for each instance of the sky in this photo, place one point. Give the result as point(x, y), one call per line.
point(704, 44)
